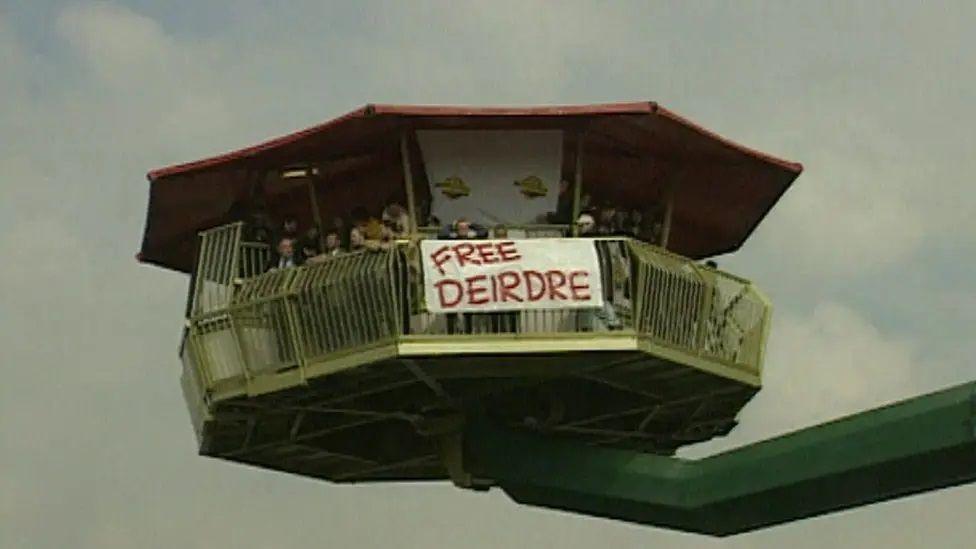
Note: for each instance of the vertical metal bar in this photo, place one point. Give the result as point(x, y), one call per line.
point(289, 299)
point(326, 308)
point(577, 183)
point(767, 313)
point(706, 309)
point(202, 266)
point(235, 260)
point(408, 181)
point(313, 312)
point(308, 299)
point(395, 266)
point(668, 213)
point(316, 214)
point(191, 298)
point(344, 311)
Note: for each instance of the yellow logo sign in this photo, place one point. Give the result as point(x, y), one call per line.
point(532, 187)
point(453, 187)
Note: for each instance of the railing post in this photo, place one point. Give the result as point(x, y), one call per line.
point(408, 182)
point(668, 214)
point(203, 373)
point(313, 198)
point(705, 309)
point(577, 183)
point(767, 315)
point(636, 285)
point(288, 296)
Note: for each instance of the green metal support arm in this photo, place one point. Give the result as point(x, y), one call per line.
point(913, 446)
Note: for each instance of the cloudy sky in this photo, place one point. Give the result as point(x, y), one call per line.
point(869, 258)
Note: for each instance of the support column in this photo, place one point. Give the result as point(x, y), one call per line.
point(668, 212)
point(314, 199)
point(577, 182)
point(408, 181)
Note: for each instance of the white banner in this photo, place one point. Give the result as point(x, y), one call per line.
point(510, 275)
point(492, 176)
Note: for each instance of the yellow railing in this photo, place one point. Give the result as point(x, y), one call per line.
point(246, 323)
point(685, 305)
point(531, 230)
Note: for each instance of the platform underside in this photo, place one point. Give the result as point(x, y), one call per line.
point(365, 423)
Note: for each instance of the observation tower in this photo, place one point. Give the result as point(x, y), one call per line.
point(532, 308)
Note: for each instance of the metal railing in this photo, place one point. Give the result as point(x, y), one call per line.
point(532, 230)
point(246, 322)
point(682, 304)
point(216, 268)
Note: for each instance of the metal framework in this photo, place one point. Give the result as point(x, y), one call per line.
point(249, 330)
point(917, 445)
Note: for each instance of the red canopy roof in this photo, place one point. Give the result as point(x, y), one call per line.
point(632, 151)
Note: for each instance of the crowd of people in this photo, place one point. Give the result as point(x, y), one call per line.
point(607, 219)
point(291, 247)
point(364, 231)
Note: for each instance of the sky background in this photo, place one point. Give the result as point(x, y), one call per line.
point(869, 258)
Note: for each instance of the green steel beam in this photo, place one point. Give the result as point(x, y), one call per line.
point(913, 446)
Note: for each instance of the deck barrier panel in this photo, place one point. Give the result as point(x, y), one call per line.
point(247, 322)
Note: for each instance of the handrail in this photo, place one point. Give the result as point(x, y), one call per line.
point(247, 323)
point(531, 230)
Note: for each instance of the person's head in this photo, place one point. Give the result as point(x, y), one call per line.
point(585, 201)
point(586, 223)
point(393, 211)
point(393, 217)
point(563, 186)
point(286, 248)
point(607, 213)
point(290, 226)
point(462, 227)
point(332, 241)
point(310, 243)
point(501, 231)
point(356, 240)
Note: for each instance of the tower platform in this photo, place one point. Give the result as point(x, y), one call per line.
point(337, 371)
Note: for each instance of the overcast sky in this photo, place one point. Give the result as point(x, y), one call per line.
point(869, 258)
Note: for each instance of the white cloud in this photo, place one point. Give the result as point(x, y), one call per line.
point(147, 86)
point(119, 44)
point(822, 366)
point(847, 217)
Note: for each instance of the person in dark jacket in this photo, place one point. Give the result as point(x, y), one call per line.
point(284, 256)
point(461, 229)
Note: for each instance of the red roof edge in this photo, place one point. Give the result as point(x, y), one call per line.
point(641, 107)
point(795, 167)
point(255, 149)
